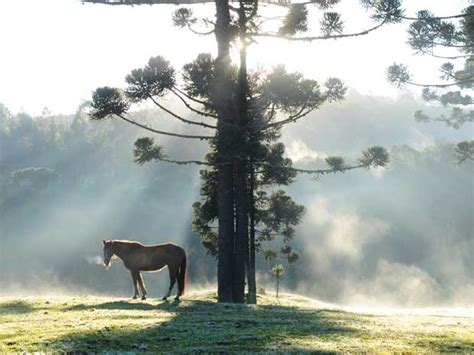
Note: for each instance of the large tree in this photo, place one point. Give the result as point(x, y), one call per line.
point(247, 111)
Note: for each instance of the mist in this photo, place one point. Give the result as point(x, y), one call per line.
point(401, 236)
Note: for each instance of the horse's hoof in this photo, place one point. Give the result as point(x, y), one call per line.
point(143, 298)
point(134, 297)
point(164, 298)
point(176, 298)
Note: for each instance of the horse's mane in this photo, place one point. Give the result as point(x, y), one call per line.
point(125, 241)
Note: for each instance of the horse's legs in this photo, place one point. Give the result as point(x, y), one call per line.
point(135, 283)
point(172, 271)
point(142, 285)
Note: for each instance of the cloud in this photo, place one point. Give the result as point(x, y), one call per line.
point(298, 151)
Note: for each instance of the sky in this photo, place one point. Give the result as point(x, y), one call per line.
point(56, 52)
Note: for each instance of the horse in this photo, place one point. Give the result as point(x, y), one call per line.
point(138, 257)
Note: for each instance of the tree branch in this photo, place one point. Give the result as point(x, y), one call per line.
point(199, 32)
point(179, 117)
point(164, 132)
point(193, 109)
point(443, 57)
point(315, 38)
point(185, 162)
point(290, 119)
point(320, 172)
point(440, 85)
point(190, 97)
point(434, 17)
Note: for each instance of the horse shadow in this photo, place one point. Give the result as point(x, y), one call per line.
point(208, 326)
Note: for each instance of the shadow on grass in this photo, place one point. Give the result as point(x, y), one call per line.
point(17, 307)
point(447, 344)
point(205, 326)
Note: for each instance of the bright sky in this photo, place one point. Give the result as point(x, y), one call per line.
point(56, 52)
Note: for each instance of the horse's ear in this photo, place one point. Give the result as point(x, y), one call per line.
point(104, 242)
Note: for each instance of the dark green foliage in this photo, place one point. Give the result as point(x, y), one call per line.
point(146, 150)
point(332, 24)
point(397, 74)
point(199, 76)
point(295, 21)
point(449, 98)
point(281, 212)
point(374, 157)
point(276, 216)
point(290, 91)
point(183, 17)
point(430, 31)
point(457, 118)
point(336, 163)
point(205, 212)
point(427, 35)
point(107, 102)
point(269, 254)
point(325, 4)
point(335, 90)
point(464, 151)
point(276, 168)
point(467, 28)
point(155, 79)
point(388, 11)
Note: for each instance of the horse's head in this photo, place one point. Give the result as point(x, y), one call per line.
point(108, 252)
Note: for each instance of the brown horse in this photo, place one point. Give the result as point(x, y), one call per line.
point(138, 257)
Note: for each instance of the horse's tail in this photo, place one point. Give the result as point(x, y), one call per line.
point(182, 275)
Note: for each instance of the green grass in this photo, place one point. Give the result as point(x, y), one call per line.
point(199, 324)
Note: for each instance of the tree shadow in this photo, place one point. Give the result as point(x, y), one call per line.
point(207, 326)
point(17, 307)
point(117, 305)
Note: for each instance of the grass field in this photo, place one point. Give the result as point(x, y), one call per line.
point(199, 324)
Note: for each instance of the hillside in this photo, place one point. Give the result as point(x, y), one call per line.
point(197, 323)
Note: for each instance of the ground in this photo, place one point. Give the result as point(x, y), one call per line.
point(199, 324)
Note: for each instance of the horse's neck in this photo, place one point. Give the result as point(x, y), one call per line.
point(118, 250)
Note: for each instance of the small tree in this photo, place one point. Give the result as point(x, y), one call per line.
point(277, 272)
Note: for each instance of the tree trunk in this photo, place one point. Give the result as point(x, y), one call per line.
point(251, 279)
point(241, 235)
point(225, 203)
point(278, 285)
point(240, 169)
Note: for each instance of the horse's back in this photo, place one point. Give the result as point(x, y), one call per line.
point(167, 253)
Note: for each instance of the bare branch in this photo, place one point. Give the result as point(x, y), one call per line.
point(185, 162)
point(316, 38)
point(199, 32)
point(190, 97)
point(320, 172)
point(434, 17)
point(202, 113)
point(179, 117)
point(440, 85)
point(444, 57)
point(163, 132)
